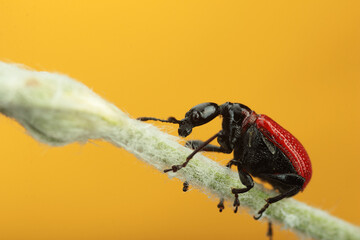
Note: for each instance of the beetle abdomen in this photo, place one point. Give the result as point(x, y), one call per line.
point(288, 144)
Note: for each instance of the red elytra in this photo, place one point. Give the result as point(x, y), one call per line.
point(288, 144)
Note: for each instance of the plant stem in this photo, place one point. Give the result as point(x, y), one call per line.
point(57, 110)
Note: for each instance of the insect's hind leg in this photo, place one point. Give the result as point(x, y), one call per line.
point(288, 183)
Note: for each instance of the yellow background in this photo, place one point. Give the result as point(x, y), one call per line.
point(296, 61)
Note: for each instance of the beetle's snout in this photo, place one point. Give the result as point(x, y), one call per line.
point(184, 129)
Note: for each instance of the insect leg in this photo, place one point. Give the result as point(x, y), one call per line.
point(245, 179)
point(290, 184)
point(175, 168)
point(221, 203)
point(270, 231)
point(195, 144)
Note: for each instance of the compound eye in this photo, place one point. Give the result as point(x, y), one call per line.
point(195, 116)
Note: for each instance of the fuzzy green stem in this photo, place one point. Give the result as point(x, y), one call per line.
point(57, 110)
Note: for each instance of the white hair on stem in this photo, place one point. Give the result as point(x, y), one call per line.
point(58, 110)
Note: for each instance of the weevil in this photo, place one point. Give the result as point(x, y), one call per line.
point(261, 148)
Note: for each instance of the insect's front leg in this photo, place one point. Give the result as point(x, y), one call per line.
point(176, 168)
point(195, 144)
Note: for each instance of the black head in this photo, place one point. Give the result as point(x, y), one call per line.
point(197, 116)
